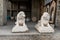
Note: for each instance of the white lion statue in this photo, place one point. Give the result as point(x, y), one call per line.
point(20, 23)
point(43, 24)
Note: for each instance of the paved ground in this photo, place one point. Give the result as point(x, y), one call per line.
point(56, 34)
point(6, 30)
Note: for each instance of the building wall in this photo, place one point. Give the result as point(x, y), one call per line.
point(57, 21)
point(3, 12)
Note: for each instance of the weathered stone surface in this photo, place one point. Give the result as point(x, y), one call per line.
point(3, 12)
point(46, 36)
point(57, 21)
point(26, 37)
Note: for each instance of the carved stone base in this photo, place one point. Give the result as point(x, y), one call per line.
point(44, 29)
point(20, 29)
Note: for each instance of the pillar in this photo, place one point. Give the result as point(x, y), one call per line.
point(35, 8)
point(3, 12)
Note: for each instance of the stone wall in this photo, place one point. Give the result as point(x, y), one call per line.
point(57, 21)
point(3, 12)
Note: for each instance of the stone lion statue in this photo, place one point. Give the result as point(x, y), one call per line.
point(20, 23)
point(43, 24)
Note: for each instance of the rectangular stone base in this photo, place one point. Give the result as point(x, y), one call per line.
point(43, 36)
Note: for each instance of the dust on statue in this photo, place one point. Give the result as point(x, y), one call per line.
point(20, 23)
point(43, 24)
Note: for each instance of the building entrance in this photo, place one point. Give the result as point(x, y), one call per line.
point(17, 6)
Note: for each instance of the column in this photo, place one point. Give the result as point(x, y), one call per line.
point(3, 12)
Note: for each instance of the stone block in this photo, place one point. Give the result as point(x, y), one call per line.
point(21, 37)
point(46, 36)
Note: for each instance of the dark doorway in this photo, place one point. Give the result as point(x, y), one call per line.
point(19, 5)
